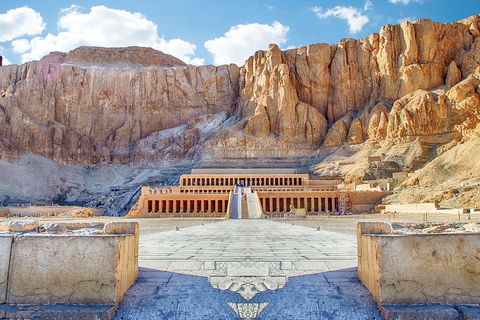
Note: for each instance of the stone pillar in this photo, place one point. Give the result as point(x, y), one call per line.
point(209, 205)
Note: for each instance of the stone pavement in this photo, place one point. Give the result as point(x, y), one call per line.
point(248, 269)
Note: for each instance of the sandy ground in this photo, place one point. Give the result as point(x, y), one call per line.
point(342, 224)
point(347, 224)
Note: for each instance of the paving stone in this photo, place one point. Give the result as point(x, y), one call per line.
point(469, 312)
point(59, 311)
point(230, 269)
point(419, 312)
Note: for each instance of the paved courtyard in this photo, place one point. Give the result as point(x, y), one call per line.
point(248, 269)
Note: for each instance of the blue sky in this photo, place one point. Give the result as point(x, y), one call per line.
point(204, 32)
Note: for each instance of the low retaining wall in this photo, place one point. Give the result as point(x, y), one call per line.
point(49, 211)
point(365, 201)
point(67, 263)
point(409, 208)
point(418, 268)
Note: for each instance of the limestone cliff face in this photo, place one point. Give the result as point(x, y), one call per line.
point(103, 105)
point(79, 108)
point(387, 87)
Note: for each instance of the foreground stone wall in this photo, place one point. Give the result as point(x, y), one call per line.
point(418, 268)
point(67, 263)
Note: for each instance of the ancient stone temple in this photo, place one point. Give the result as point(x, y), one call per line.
point(250, 193)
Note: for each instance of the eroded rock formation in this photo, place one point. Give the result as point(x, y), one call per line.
point(97, 105)
point(74, 113)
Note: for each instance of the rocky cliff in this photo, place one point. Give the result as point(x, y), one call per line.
point(95, 105)
point(410, 80)
point(138, 105)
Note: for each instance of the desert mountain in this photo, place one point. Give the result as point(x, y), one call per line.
point(408, 96)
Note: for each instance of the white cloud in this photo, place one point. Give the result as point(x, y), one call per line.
point(406, 19)
point(106, 27)
point(242, 40)
point(180, 49)
point(269, 8)
point(5, 61)
point(367, 6)
point(355, 19)
point(21, 45)
point(405, 2)
point(20, 22)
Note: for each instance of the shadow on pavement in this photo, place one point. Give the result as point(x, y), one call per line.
point(329, 295)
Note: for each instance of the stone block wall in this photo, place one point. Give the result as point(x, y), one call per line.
point(411, 208)
point(418, 268)
point(67, 263)
point(365, 201)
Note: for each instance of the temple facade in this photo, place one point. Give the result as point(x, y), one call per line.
point(269, 192)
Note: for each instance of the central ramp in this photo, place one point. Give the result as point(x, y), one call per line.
point(252, 202)
point(248, 269)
